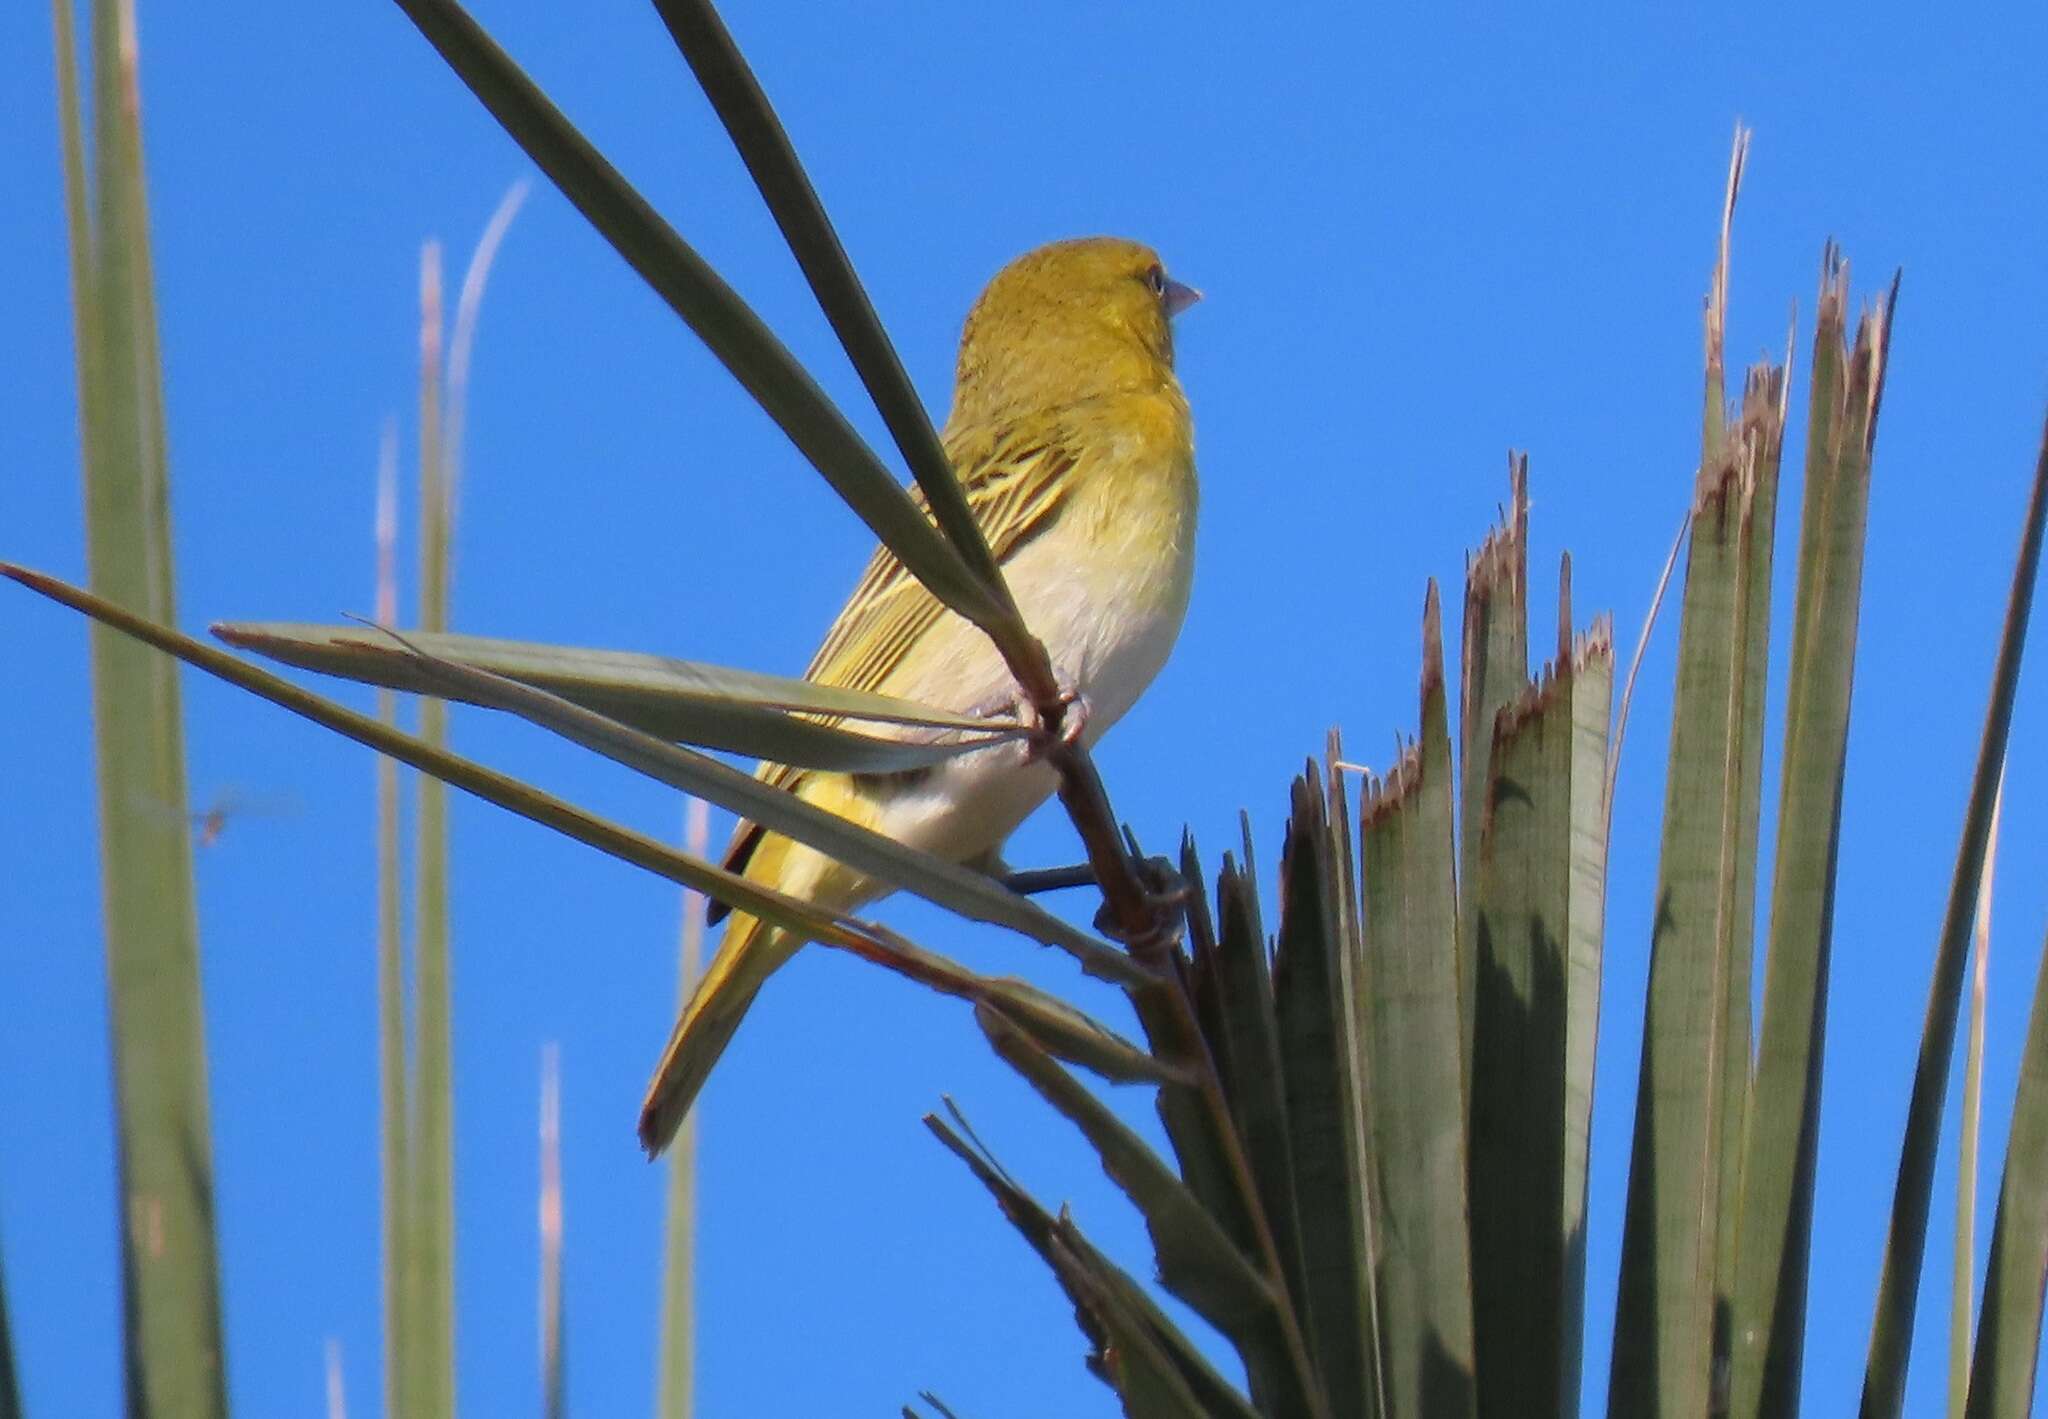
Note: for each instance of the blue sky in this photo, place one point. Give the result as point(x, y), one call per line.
point(1427, 234)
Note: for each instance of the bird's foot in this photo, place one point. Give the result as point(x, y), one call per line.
point(1073, 720)
point(1167, 894)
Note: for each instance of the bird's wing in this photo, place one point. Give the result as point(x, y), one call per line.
point(1016, 481)
point(1014, 491)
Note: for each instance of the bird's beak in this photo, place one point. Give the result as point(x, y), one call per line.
point(1179, 297)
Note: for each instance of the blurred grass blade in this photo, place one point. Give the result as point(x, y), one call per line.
point(1884, 1381)
point(394, 1076)
point(337, 1392)
point(727, 326)
point(961, 889)
point(750, 121)
point(1495, 649)
point(1408, 1011)
point(1669, 1319)
point(1962, 1277)
point(812, 922)
point(675, 1382)
point(1320, 1060)
point(2007, 1357)
point(10, 1383)
point(741, 712)
point(1782, 1130)
point(1198, 1262)
point(171, 1299)
point(553, 1374)
point(431, 1155)
point(462, 339)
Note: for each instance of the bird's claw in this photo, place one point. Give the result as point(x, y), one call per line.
point(1073, 723)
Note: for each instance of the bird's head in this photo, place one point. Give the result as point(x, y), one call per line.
point(1071, 321)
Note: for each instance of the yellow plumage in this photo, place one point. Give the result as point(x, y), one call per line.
point(1073, 443)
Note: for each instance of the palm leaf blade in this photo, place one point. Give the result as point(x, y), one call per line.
point(1319, 1052)
point(1769, 1282)
point(740, 711)
point(1408, 1006)
point(961, 889)
point(1667, 1316)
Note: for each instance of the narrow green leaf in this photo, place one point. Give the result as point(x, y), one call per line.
point(1137, 1352)
point(1197, 1261)
point(1233, 1001)
point(1052, 1024)
point(762, 716)
point(2009, 1330)
point(1495, 649)
point(171, 1302)
point(1408, 1010)
point(737, 892)
point(1668, 1318)
point(1204, 968)
point(1354, 977)
point(1782, 1130)
point(431, 1154)
point(1195, 1114)
point(722, 72)
point(1884, 1381)
point(961, 889)
point(1258, 1101)
point(1140, 1325)
point(1317, 1047)
point(726, 325)
point(1969, 1139)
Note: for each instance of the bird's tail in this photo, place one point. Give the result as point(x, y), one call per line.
point(751, 952)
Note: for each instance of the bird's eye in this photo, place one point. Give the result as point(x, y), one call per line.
point(1155, 281)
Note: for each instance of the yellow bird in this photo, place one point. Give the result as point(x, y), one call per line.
point(1072, 440)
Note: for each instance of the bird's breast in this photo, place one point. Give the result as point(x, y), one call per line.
point(1109, 598)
